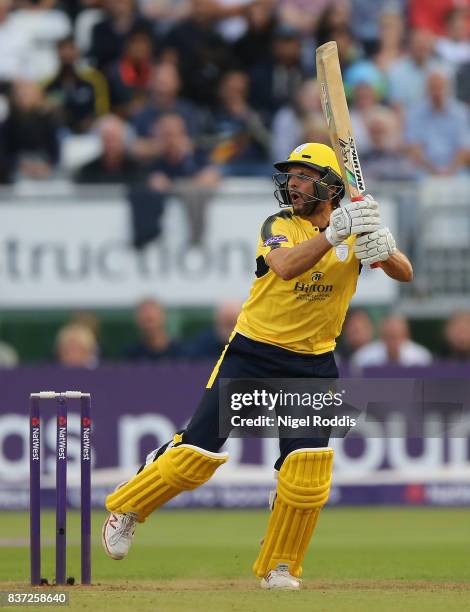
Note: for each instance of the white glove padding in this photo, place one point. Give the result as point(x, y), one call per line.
point(361, 217)
point(378, 246)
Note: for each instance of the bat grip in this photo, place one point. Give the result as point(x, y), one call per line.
point(358, 199)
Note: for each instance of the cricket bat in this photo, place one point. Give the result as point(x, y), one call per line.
point(336, 112)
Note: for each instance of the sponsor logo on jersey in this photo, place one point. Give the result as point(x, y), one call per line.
point(342, 252)
point(274, 240)
point(312, 292)
point(312, 287)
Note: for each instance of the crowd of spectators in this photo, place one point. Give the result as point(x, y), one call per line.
point(174, 95)
point(234, 81)
point(153, 343)
point(365, 342)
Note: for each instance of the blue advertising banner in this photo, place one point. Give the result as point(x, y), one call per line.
point(136, 409)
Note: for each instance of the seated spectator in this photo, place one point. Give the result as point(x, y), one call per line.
point(177, 155)
point(391, 38)
point(358, 331)
point(304, 15)
point(288, 124)
point(365, 72)
point(240, 142)
point(8, 356)
point(261, 23)
point(15, 49)
point(457, 336)
point(176, 166)
point(231, 18)
point(129, 77)
point(109, 36)
point(147, 204)
point(367, 89)
point(80, 94)
point(210, 343)
point(277, 76)
point(31, 133)
point(314, 129)
point(384, 160)
point(165, 85)
point(437, 129)
point(41, 26)
point(76, 347)
point(333, 17)
point(365, 22)
point(228, 13)
point(183, 170)
point(202, 55)
point(364, 101)
point(154, 343)
point(394, 347)
point(407, 75)
point(454, 47)
point(349, 51)
point(431, 14)
point(90, 320)
point(115, 164)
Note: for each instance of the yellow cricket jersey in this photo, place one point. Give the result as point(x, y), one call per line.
point(305, 314)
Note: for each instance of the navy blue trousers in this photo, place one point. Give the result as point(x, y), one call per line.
point(247, 358)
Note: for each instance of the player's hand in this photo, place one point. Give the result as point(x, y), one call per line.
point(374, 247)
point(361, 217)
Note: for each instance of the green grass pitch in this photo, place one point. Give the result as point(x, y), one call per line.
point(360, 559)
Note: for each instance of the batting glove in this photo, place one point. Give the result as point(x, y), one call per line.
point(361, 217)
point(374, 247)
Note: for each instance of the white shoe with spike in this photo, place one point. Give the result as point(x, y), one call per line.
point(118, 532)
point(280, 579)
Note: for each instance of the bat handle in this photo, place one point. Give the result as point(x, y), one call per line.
point(358, 199)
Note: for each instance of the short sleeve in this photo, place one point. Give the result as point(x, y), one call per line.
point(276, 232)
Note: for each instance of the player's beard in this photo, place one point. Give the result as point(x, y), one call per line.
point(304, 207)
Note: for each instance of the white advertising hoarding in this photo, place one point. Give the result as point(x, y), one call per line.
point(73, 254)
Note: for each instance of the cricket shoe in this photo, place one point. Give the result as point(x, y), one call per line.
point(280, 579)
point(118, 533)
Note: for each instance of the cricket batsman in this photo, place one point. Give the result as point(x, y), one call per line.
point(287, 328)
